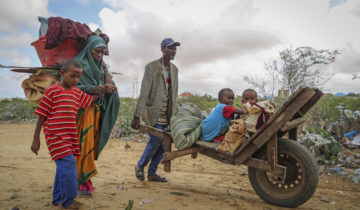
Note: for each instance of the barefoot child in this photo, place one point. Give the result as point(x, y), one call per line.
point(217, 123)
point(57, 115)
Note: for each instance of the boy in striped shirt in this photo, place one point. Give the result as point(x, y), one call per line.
point(57, 115)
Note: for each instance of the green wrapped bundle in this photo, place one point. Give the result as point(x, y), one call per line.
point(186, 126)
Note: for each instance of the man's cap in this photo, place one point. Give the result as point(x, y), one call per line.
point(168, 42)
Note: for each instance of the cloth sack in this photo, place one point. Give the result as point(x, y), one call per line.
point(255, 115)
point(234, 137)
point(36, 84)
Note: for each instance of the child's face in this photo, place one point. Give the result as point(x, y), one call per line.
point(227, 98)
point(249, 96)
point(70, 77)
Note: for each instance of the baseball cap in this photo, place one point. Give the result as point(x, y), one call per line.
point(168, 42)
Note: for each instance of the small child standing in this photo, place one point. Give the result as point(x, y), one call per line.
point(57, 115)
point(217, 123)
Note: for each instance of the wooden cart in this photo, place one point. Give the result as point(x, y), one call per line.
point(281, 171)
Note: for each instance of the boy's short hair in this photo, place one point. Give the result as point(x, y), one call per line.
point(249, 90)
point(69, 63)
point(222, 92)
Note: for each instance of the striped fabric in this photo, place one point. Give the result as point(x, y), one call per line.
point(186, 126)
point(163, 118)
point(59, 107)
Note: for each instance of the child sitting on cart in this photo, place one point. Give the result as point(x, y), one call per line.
point(256, 113)
point(249, 95)
point(217, 123)
point(253, 117)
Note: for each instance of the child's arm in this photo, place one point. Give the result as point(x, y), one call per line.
point(95, 97)
point(230, 111)
point(238, 113)
point(35, 146)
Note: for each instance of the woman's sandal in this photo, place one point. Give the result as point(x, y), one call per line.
point(139, 173)
point(156, 178)
point(74, 205)
point(84, 194)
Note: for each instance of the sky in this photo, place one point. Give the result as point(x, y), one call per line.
point(221, 41)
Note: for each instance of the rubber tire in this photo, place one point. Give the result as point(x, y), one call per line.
point(270, 192)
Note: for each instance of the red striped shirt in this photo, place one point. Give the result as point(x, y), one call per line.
point(59, 107)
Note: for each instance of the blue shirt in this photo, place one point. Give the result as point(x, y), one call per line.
point(213, 125)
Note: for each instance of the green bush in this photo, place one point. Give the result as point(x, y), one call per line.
point(16, 110)
point(126, 112)
point(326, 108)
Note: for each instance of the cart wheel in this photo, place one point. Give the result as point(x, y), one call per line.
point(302, 176)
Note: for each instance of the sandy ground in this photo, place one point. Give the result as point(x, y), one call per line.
point(26, 180)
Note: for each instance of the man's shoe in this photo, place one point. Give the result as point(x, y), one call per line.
point(156, 178)
point(139, 173)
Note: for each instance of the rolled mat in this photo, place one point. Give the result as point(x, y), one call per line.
point(186, 126)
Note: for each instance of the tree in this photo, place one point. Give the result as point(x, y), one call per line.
point(298, 67)
point(356, 76)
point(258, 86)
point(262, 86)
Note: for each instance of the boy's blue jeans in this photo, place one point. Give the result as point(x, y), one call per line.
point(65, 185)
point(153, 151)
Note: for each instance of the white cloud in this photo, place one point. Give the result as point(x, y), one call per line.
point(221, 31)
point(11, 84)
point(21, 61)
point(348, 61)
point(16, 14)
point(10, 54)
point(356, 10)
point(343, 83)
point(16, 40)
point(221, 41)
point(117, 4)
point(93, 26)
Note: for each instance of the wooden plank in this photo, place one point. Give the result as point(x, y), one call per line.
point(167, 148)
point(212, 146)
point(311, 102)
point(291, 127)
point(276, 123)
point(247, 152)
point(293, 134)
point(271, 151)
point(209, 149)
point(179, 153)
point(155, 131)
point(279, 170)
point(292, 124)
point(218, 156)
point(209, 145)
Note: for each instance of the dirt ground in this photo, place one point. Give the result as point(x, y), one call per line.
point(203, 183)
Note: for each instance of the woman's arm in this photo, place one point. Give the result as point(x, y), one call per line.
point(108, 77)
point(109, 86)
